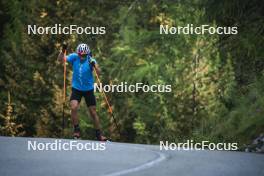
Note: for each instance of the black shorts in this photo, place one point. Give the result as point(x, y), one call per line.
point(88, 96)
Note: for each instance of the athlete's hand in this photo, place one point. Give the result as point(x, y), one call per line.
point(64, 47)
point(92, 62)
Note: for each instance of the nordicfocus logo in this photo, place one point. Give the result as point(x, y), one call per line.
point(58, 145)
point(125, 87)
point(190, 145)
point(199, 30)
point(70, 29)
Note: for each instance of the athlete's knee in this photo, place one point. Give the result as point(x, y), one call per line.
point(74, 105)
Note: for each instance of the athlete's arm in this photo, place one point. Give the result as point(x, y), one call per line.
point(60, 57)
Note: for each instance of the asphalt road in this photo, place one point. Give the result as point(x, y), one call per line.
point(120, 159)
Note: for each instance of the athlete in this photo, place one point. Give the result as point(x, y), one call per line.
point(83, 86)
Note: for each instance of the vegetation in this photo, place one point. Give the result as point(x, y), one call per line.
point(217, 80)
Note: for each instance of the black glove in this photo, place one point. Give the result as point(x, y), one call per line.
point(64, 46)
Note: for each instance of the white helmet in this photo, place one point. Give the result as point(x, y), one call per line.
point(83, 49)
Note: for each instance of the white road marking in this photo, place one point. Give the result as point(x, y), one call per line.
point(143, 166)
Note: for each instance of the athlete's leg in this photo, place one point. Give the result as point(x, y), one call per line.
point(97, 126)
point(76, 97)
point(74, 109)
point(96, 121)
point(91, 104)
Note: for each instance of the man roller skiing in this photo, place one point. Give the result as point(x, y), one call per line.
point(83, 86)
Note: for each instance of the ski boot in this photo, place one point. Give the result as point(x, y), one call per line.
point(100, 137)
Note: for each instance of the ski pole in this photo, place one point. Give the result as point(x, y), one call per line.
point(64, 50)
point(108, 104)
